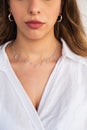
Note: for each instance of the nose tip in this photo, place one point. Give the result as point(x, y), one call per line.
point(34, 7)
point(34, 12)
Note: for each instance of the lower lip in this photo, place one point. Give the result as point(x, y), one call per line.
point(34, 25)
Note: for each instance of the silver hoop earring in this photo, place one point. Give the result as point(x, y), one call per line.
point(59, 18)
point(10, 17)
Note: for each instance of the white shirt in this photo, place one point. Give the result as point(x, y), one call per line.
point(64, 102)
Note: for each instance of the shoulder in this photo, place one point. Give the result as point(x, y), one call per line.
point(76, 65)
point(2, 47)
point(1, 52)
point(3, 56)
point(66, 52)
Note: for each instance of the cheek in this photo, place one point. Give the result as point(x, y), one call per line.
point(58, 8)
point(15, 10)
point(55, 11)
point(16, 15)
point(53, 16)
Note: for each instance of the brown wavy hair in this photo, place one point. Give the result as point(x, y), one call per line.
point(70, 29)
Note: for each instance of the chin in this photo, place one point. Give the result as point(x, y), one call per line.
point(35, 37)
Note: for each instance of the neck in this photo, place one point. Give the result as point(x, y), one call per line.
point(36, 49)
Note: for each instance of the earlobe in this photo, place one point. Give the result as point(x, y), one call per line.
point(10, 17)
point(59, 19)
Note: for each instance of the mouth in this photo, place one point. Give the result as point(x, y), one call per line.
point(34, 24)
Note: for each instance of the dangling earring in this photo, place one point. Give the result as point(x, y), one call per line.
point(9, 17)
point(59, 19)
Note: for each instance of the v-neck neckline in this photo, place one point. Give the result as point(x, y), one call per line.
point(21, 93)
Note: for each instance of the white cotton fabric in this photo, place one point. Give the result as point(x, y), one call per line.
point(63, 105)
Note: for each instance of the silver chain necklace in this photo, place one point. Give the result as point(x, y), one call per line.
point(17, 57)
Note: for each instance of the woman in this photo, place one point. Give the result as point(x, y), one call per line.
point(43, 66)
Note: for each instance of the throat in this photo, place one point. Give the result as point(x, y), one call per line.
point(36, 61)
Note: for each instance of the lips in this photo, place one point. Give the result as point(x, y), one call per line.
point(34, 24)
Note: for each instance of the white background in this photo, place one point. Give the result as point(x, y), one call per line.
point(83, 10)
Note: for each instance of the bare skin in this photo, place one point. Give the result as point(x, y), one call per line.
point(33, 79)
point(36, 40)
